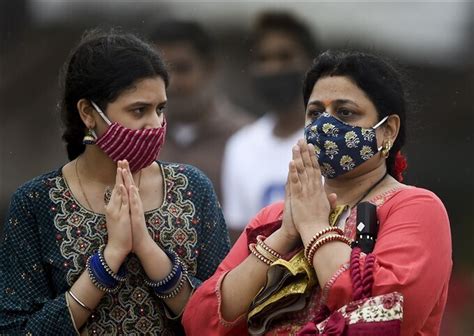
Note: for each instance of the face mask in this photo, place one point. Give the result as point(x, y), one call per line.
point(341, 147)
point(280, 90)
point(139, 147)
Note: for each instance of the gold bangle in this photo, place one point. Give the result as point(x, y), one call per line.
point(258, 255)
point(267, 248)
point(265, 253)
point(319, 243)
point(319, 235)
point(79, 302)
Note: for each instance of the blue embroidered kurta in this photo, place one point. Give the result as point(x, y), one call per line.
point(48, 237)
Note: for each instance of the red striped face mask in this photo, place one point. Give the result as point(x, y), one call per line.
point(139, 147)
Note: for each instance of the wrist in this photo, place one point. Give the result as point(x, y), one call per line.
point(145, 248)
point(282, 241)
point(308, 231)
point(114, 257)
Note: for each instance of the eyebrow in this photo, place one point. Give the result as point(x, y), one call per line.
point(337, 102)
point(142, 103)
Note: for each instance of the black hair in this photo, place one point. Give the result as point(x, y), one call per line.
point(379, 80)
point(287, 23)
point(100, 68)
point(182, 31)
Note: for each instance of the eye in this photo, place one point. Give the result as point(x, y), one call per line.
point(160, 110)
point(314, 113)
point(138, 111)
point(344, 112)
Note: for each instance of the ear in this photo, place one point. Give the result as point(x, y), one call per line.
point(86, 112)
point(391, 128)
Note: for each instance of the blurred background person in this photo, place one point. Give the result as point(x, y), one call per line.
point(254, 168)
point(200, 118)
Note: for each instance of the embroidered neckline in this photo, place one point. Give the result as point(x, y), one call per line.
point(68, 189)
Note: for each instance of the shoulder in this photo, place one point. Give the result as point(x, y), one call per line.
point(415, 195)
point(269, 214)
point(416, 205)
point(39, 184)
point(192, 174)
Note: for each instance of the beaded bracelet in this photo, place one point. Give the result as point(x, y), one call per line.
point(267, 248)
point(79, 302)
point(99, 277)
point(176, 289)
point(174, 274)
point(315, 247)
point(265, 253)
point(258, 255)
point(319, 235)
point(120, 276)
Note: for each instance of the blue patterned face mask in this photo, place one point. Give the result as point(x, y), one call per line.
point(341, 147)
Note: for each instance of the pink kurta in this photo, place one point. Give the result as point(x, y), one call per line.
point(413, 256)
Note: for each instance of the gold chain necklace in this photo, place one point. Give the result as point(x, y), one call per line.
point(108, 191)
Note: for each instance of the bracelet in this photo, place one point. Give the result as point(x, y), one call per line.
point(267, 248)
point(120, 276)
point(265, 253)
point(177, 288)
point(99, 277)
point(319, 235)
point(79, 302)
point(258, 255)
point(173, 275)
point(323, 241)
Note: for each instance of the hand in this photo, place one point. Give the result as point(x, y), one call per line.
point(288, 228)
point(310, 205)
point(141, 239)
point(117, 215)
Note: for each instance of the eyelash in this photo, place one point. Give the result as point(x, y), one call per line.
point(141, 110)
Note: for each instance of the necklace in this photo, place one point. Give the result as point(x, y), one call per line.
point(370, 189)
point(82, 189)
point(108, 191)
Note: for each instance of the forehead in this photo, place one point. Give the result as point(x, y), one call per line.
point(151, 90)
point(328, 89)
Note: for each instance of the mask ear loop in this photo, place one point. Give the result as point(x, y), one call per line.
point(377, 125)
point(97, 108)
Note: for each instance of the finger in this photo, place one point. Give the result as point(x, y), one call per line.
point(298, 161)
point(332, 198)
point(294, 180)
point(123, 193)
point(306, 158)
point(313, 156)
point(127, 178)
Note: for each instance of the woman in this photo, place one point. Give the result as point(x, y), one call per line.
point(355, 117)
point(76, 259)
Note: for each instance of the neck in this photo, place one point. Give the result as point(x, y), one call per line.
point(288, 121)
point(96, 166)
point(349, 190)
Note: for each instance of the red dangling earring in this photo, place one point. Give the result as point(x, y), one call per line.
point(89, 138)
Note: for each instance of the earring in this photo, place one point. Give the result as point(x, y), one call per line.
point(386, 148)
point(89, 138)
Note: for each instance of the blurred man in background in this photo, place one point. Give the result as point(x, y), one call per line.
point(256, 157)
point(200, 119)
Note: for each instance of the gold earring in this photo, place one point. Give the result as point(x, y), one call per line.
point(89, 138)
point(386, 148)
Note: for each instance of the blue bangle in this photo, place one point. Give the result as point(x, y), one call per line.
point(99, 276)
point(121, 275)
point(173, 282)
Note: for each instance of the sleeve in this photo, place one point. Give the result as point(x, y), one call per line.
point(214, 243)
point(27, 302)
point(413, 257)
point(234, 204)
point(202, 315)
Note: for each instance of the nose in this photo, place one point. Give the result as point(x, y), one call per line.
point(155, 120)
